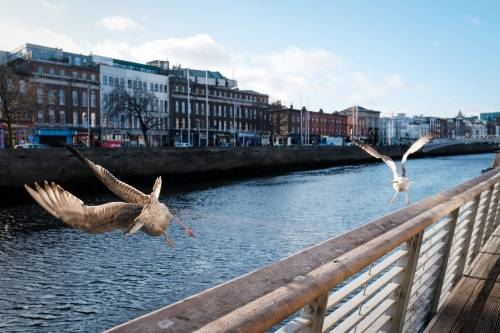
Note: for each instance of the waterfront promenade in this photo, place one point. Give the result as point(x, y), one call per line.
point(181, 166)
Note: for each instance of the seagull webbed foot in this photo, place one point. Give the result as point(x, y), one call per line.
point(168, 240)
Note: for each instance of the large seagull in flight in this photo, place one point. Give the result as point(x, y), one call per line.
point(139, 211)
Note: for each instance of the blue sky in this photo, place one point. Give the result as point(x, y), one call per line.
point(424, 57)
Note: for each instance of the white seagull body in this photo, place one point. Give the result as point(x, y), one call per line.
point(399, 183)
point(138, 212)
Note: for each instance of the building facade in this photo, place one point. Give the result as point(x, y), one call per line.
point(121, 128)
point(67, 98)
point(362, 123)
point(207, 109)
point(299, 126)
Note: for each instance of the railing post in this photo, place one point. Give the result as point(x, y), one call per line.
point(491, 213)
point(480, 231)
point(406, 283)
point(468, 236)
point(444, 263)
point(497, 216)
point(315, 312)
point(496, 162)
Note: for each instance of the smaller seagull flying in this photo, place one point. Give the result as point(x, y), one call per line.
point(399, 183)
point(138, 212)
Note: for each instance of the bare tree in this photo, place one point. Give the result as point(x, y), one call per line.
point(18, 100)
point(134, 103)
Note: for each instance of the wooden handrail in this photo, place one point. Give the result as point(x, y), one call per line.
point(260, 299)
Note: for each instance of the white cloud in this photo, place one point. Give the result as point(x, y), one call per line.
point(296, 60)
point(395, 81)
point(118, 23)
point(198, 51)
point(473, 20)
point(14, 35)
point(56, 8)
point(317, 77)
point(420, 88)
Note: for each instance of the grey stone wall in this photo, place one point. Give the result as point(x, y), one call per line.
point(141, 166)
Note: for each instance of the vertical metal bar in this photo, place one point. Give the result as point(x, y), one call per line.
point(468, 237)
point(497, 215)
point(480, 231)
point(491, 213)
point(315, 312)
point(406, 283)
point(444, 263)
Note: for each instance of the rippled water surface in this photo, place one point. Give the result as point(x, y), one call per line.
point(53, 278)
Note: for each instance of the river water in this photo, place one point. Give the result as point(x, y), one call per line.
point(53, 278)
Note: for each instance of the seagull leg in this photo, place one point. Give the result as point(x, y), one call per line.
point(394, 198)
point(188, 230)
point(407, 198)
point(168, 240)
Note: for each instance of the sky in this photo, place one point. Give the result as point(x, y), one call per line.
point(419, 57)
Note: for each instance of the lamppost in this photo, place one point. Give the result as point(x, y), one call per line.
point(235, 107)
point(188, 107)
point(88, 113)
point(206, 106)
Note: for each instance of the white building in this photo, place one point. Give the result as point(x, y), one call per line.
point(402, 129)
point(120, 130)
point(3, 57)
point(478, 129)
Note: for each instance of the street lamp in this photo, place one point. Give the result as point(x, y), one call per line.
point(199, 132)
point(88, 113)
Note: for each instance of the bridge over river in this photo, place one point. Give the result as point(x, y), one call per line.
point(395, 273)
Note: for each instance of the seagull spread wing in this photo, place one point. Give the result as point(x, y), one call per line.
point(371, 151)
point(122, 190)
point(414, 148)
point(72, 211)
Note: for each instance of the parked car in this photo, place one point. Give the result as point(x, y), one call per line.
point(225, 144)
point(30, 146)
point(183, 145)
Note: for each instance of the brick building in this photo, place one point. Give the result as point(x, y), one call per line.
point(215, 111)
point(68, 93)
point(327, 124)
point(367, 126)
point(295, 126)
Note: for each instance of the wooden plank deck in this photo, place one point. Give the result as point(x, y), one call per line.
point(474, 305)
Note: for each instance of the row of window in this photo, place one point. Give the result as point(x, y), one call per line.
point(223, 125)
point(132, 122)
point(62, 73)
point(331, 120)
point(158, 105)
point(219, 93)
point(217, 110)
point(136, 84)
point(316, 130)
point(77, 121)
point(60, 96)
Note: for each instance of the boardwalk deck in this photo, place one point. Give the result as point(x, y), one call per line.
point(474, 305)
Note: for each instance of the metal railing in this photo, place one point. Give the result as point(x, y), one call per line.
point(390, 275)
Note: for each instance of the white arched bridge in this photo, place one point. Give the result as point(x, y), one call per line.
point(444, 142)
